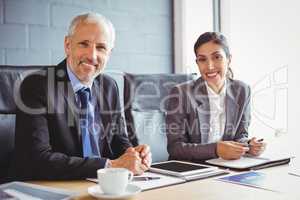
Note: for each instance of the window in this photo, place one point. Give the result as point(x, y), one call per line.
point(191, 18)
point(264, 41)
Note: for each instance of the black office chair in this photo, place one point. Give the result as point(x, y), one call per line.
point(10, 79)
point(145, 98)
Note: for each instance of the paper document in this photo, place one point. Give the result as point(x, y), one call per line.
point(162, 180)
point(151, 184)
point(294, 167)
point(157, 183)
point(279, 182)
point(294, 171)
point(26, 191)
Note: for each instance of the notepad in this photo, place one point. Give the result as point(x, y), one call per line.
point(251, 162)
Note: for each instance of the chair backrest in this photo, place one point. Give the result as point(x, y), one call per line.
point(10, 79)
point(145, 98)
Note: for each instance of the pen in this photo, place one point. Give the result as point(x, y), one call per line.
point(145, 178)
point(247, 144)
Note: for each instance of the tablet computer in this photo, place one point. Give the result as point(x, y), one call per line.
point(180, 168)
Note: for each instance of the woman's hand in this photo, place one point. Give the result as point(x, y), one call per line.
point(257, 147)
point(230, 150)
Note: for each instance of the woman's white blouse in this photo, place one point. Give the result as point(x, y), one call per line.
point(217, 114)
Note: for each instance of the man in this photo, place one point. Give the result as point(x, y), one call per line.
point(69, 122)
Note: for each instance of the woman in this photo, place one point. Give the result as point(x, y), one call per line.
point(209, 117)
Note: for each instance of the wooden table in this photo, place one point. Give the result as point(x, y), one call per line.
point(208, 189)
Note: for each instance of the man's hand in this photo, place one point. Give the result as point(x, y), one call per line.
point(130, 160)
point(230, 150)
point(136, 159)
point(145, 154)
point(257, 147)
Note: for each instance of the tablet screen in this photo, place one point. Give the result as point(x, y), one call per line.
point(178, 166)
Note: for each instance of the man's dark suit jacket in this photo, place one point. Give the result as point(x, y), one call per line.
point(48, 142)
point(188, 119)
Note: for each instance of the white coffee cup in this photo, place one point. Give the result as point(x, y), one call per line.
point(114, 180)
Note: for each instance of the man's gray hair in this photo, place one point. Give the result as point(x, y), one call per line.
point(93, 18)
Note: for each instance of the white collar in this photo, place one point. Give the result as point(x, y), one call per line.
point(75, 82)
point(211, 92)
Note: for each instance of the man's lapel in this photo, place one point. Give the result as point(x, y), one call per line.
point(101, 107)
point(70, 107)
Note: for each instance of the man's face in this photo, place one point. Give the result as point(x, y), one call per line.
point(88, 50)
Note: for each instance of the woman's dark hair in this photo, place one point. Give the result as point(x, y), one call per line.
point(217, 38)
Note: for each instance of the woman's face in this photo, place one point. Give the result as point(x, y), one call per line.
point(213, 64)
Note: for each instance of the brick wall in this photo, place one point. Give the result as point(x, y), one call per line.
point(32, 32)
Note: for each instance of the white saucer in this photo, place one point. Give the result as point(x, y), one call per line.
point(131, 190)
